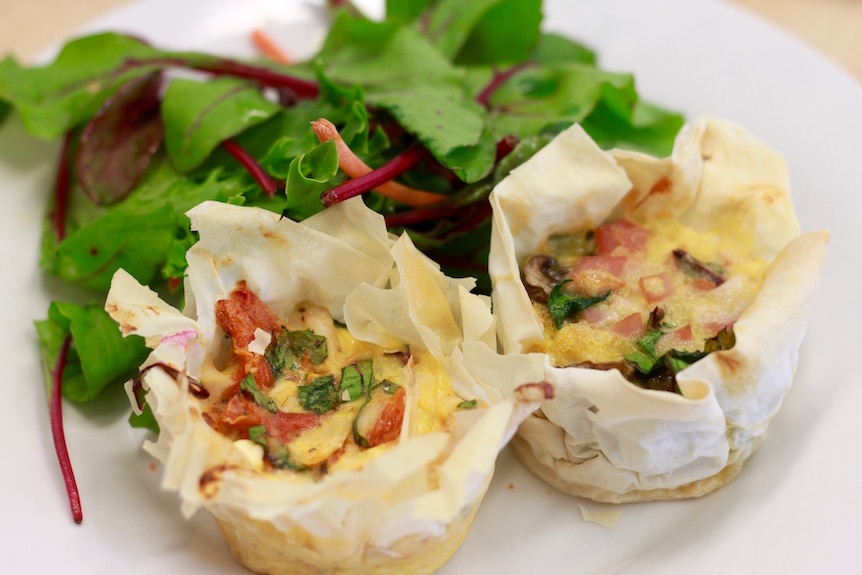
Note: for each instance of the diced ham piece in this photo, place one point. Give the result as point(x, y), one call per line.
point(629, 326)
point(613, 265)
point(620, 237)
point(594, 314)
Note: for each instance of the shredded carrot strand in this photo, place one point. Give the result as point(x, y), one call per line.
point(269, 47)
point(354, 167)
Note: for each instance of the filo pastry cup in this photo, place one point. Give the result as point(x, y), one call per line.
point(408, 509)
point(603, 437)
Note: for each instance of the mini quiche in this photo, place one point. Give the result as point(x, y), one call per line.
point(668, 298)
point(325, 394)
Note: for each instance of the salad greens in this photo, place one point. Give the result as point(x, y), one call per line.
point(446, 96)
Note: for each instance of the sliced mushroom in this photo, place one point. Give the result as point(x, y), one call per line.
point(541, 273)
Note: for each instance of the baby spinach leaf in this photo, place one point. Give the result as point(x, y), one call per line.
point(99, 355)
point(198, 116)
point(136, 242)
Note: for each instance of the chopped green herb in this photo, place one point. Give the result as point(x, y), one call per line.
point(257, 434)
point(319, 395)
point(563, 305)
point(291, 347)
point(389, 386)
point(725, 339)
point(355, 379)
point(278, 455)
point(468, 404)
point(249, 385)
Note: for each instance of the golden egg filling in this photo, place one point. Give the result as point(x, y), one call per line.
point(646, 297)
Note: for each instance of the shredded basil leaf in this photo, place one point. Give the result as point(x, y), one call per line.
point(355, 379)
point(563, 305)
point(257, 434)
point(249, 385)
point(291, 347)
point(468, 404)
point(278, 455)
point(319, 395)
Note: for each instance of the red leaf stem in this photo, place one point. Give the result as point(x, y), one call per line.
point(497, 80)
point(56, 416)
point(417, 215)
point(250, 164)
point(505, 147)
point(224, 67)
point(61, 188)
point(388, 171)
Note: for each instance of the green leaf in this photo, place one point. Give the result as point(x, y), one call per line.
point(257, 433)
point(406, 12)
point(443, 118)
point(450, 23)
point(144, 420)
point(319, 395)
point(59, 96)
point(556, 49)
point(99, 355)
point(494, 40)
point(5, 108)
point(199, 116)
point(291, 347)
point(138, 243)
point(310, 175)
point(249, 385)
point(356, 378)
point(468, 404)
point(563, 305)
point(367, 53)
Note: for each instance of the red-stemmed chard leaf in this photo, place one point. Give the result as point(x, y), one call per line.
point(58, 434)
point(118, 143)
point(61, 188)
point(269, 186)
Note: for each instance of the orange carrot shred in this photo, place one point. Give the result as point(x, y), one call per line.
point(353, 166)
point(269, 47)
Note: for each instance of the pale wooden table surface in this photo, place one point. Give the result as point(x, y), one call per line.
point(834, 27)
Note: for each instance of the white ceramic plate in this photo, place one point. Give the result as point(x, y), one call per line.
point(797, 507)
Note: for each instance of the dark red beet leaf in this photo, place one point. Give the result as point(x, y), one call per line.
point(120, 140)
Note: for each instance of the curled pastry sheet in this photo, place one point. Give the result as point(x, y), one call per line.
point(405, 511)
point(603, 437)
